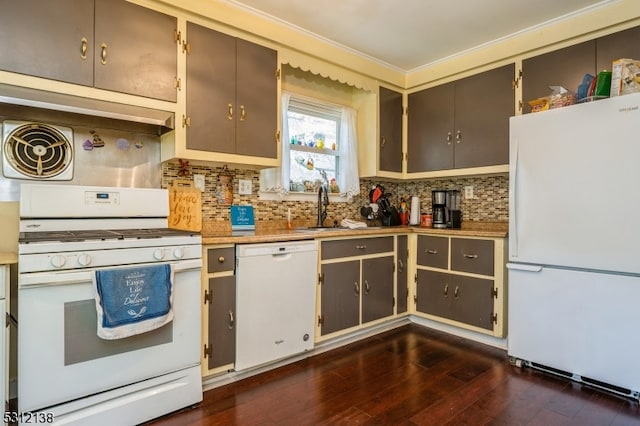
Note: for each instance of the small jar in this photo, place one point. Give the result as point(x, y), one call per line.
point(426, 220)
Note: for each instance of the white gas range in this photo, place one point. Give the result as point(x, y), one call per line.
point(66, 371)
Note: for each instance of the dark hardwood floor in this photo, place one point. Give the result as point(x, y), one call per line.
point(408, 376)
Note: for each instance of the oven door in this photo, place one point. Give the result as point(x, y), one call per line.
point(61, 356)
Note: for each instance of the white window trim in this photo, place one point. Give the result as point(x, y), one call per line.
point(283, 194)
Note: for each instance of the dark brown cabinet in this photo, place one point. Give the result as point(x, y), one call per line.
point(390, 149)
point(458, 280)
point(355, 287)
point(109, 44)
point(231, 91)
point(462, 124)
point(566, 67)
point(220, 309)
point(402, 285)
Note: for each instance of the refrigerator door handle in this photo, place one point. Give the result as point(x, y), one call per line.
point(514, 202)
point(525, 268)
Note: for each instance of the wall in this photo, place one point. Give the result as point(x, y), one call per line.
point(489, 204)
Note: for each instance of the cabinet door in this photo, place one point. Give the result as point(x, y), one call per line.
point(135, 50)
point(472, 301)
point(623, 44)
point(256, 106)
point(45, 39)
point(430, 138)
point(390, 130)
point(210, 90)
point(483, 104)
point(433, 293)
point(402, 285)
point(222, 330)
point(340, 296)
point(377, 288)
point(563, 67)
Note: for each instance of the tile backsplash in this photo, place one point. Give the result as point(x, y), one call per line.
point(490, 202)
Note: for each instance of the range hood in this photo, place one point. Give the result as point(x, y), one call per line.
point(23, 96)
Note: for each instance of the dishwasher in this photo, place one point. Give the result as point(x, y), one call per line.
point(276, 301)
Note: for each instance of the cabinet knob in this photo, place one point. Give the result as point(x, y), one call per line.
point(470, 256)
point(431, 251)
point(448, 138)
point(243, 113)
point(455, 292)
point(221, 259)
point(361, 247)
point(356, 286)
point(383, 142)
point(103, 54)
point(83, 48)
point(366, 287)
point(230, 112)
point(458, 136)
point(231, 320)
point(445, 290)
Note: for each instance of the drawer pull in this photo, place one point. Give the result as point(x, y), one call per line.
point(361, 247)
point(231, 319)
point(357, 288)
point(471, 256)
point(432, 251)
point(221, 259)
point(446, 290)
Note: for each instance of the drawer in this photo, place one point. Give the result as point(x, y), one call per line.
point(355, 247)
point(221, 259)
point(433, 251)
point(474, 256)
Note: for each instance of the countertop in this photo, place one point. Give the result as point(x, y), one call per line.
point(7, 258)
point(214, 232)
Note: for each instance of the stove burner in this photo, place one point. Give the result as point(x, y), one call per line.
point(99, 234)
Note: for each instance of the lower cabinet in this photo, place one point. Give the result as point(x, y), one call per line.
point(219, 299)
point(462, 282)
point(357, 283)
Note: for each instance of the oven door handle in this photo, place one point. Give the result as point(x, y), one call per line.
point(39, 279)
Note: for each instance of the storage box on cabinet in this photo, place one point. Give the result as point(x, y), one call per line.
point(462, 282)
point(357, 283)
point(219, 298)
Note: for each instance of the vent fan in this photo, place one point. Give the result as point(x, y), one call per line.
point(37, 151)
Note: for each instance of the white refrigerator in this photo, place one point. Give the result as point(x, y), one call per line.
point(574, 242)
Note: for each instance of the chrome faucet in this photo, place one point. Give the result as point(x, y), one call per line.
point(323, 200)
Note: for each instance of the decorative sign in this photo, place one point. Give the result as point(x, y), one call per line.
point(185, 206)
point(242, 218)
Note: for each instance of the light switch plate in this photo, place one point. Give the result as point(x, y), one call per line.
point(468, 192)
point(244, 186)
point(198, 182)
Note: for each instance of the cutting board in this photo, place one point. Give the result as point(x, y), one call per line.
point(185, 206)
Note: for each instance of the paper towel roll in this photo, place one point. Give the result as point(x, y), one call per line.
point(414, 218)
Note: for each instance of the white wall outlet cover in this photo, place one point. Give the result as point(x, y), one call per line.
point(468, 192)
point(198, 182)
point(244, 187)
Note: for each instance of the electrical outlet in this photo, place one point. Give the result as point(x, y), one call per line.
point(468, 192)
point(198, 182)
point(244, 186)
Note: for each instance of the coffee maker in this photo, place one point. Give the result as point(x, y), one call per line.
point(453, 215)
point(438, 204)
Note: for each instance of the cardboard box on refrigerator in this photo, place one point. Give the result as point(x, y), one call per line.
point(625, 77)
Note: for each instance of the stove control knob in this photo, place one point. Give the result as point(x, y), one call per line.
point(178, 253)
point(58, 261)
point(158, 254)
point(84, 259)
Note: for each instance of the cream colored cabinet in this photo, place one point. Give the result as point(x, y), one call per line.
point(219, 308)
point(108, 44)
point(462, 281)
point(356, 284)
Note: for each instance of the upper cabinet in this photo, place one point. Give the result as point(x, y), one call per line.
point(566, 67)
point(463, 124)
point(232, 95)
point(390, 141)
point(108, 44)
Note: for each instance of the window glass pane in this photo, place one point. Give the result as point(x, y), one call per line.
point(313, 148)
